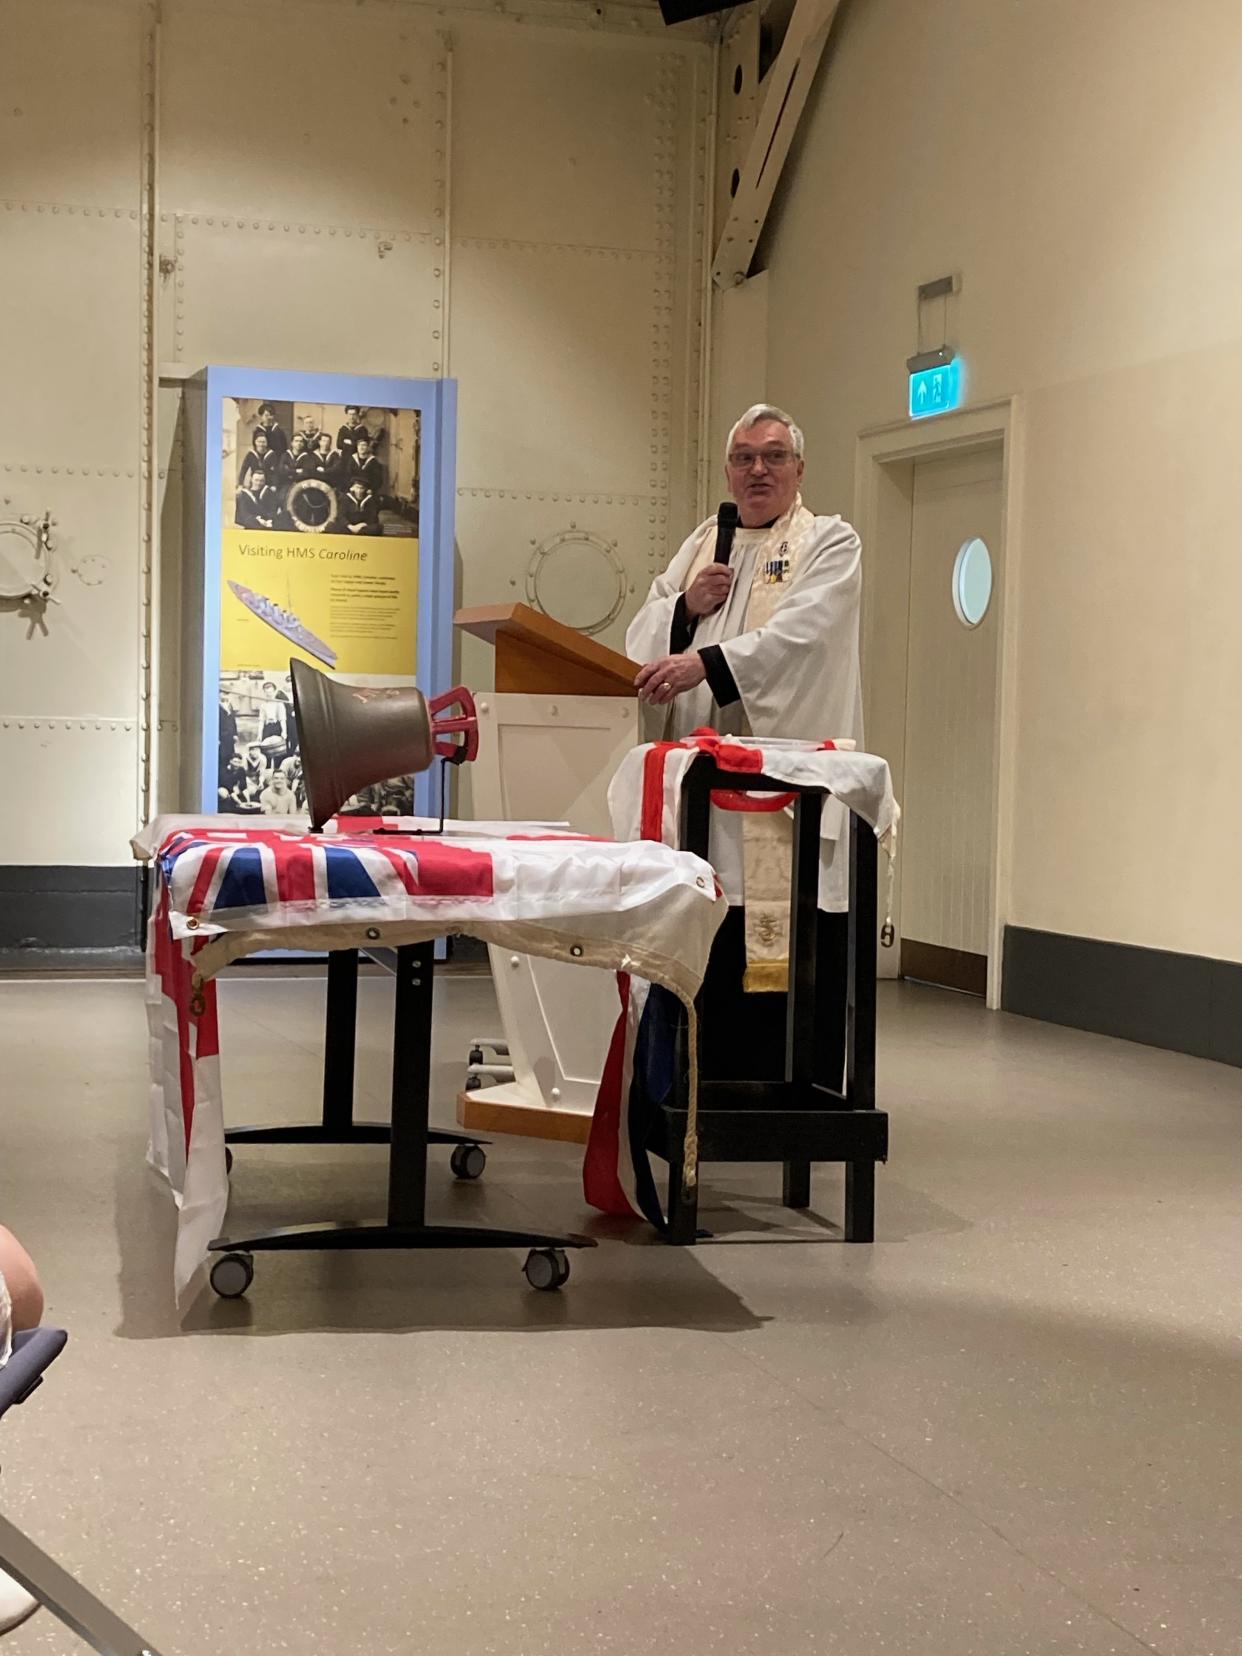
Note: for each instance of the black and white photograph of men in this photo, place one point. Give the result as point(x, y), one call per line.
point(260, 764)
point(262, 455)
point(365, 464)
point(277, 438)
point(258, 743)
point(348, 436)
point(295, 462)
point(358, 510)
point(325, 460)
point(293, 477)
point(258, 501)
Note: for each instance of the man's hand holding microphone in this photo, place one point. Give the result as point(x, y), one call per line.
point(660, 682)
point(709, 589)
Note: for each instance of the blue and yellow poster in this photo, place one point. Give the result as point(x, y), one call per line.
point(319, 559)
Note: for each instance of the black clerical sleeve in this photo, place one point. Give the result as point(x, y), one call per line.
point(720, 679)
point(681, 633)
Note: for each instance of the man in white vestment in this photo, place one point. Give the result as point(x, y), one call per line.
point(764, 645)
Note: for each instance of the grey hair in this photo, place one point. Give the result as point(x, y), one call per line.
point(767, 411)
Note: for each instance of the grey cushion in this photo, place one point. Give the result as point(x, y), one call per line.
point(33, 1351)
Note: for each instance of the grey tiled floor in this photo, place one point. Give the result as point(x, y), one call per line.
point(1010, 1426)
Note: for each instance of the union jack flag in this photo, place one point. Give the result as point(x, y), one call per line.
point(273, 872)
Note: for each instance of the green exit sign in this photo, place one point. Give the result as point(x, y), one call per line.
point(936, 389)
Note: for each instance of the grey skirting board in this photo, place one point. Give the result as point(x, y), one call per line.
point(1184, 1003)
point(88, 916)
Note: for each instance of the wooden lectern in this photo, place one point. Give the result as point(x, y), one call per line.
point(536, 654)
point(564, 714)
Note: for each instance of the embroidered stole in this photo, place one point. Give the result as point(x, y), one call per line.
point(767, 834)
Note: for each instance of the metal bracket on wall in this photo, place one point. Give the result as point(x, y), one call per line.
point(785, 89)
point(27, 571)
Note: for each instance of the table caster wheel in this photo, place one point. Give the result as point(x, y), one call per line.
point(228, 1159)
point(473, 1083)
point(468, 1161)
point(232, 1274)
point(476, 1055)
point(546, 1269)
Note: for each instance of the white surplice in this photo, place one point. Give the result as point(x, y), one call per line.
point(791, 644)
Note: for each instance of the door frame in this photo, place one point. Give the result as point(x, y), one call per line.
point(884, 517)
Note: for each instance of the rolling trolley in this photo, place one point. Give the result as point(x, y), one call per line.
point(408, 1136)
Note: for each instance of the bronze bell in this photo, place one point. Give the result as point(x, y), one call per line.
point(351, 735)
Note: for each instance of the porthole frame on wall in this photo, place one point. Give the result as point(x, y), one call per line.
point(33, 573)
point(972, 593)
point(578, 537)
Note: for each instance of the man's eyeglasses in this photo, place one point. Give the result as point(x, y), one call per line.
point(774, 459)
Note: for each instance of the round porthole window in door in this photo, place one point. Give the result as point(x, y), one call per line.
point(972, 582)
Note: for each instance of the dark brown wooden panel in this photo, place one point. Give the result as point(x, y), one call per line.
point(949, 968)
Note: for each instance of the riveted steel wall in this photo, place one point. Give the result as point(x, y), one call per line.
point(382, 187)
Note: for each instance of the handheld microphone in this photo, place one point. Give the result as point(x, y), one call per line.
point(726, 528)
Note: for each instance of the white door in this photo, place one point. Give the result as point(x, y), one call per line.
point(951, 674)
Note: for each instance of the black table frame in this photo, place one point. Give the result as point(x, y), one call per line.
point(799, 1120)
point(408, 1135)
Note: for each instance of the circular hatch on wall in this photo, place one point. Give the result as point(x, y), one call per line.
point(577, 578)
point(23, 570)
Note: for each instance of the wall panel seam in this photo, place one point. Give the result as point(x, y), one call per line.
point(219, 220)
point(657, 254)
point(70, 209)
point(76, 470)
point(66, 721)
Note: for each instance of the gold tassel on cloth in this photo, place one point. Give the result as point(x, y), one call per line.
point(690, 1144)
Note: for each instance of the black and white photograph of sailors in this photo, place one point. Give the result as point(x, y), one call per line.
point(359, 509)
point(260, 766)
point(259, 502)
point(294, 476)
point(259, 457)
point(260, 762)
point(353, 429)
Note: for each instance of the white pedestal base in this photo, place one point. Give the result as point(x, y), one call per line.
point(548, 758)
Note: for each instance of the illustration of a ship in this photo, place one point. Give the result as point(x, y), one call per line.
point(285, 623)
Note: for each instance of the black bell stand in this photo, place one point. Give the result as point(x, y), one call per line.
point(419, 833)
point(408, 1137)
point(798, 1121)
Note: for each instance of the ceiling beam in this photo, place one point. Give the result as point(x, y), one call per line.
point(785, 89)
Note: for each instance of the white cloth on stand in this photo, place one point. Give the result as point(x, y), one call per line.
point(858, 782)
